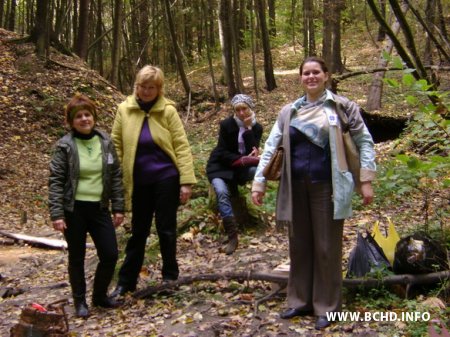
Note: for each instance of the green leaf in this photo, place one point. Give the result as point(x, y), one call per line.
point(412, 100)
point(392, 82)
point(398, 63)
point(408, 79)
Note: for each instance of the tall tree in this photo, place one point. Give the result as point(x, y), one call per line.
point(418, 71)
point(441, 25)
point(176, 47)
point(82, 43)
point(98, 32)
point(41, 33)
point(226, 44)
point(268, 66)
point(2, 6)
point(235, 33)
point(12, 15)
point(252, 41)
point(331, 46)
point(208, 53)
point(376, 87)
point(309, 40)
point(272, 18)
point(381, 31)
point(117, 33)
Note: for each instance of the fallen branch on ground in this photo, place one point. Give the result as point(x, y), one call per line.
point(405, 279)
point(39, 241)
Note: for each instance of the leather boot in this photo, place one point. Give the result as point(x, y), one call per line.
point(81, 308)
point(103, 276)
point(230, 226)
point(78, 285)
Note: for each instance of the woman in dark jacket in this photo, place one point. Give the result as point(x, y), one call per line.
point(84, 177)
point(233, 161)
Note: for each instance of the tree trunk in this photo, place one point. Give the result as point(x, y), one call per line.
point(441, 25)
point(292, 19)
point(417, 70)
point(115, 52)
point(81, 46)
point(12, 16)
point(268, 66)
point(409, 39)
point(225, 39)
point(210, 64)
point(376, 87)
point(331, 49)
point(98, 33)
point(235, 33)
point(176, 47)
point(41, 33)
point(309, 42)
point(252, 42)
point(337, 65)
point(75, 22)
point(2, 6)
point(381, 31)
point(429, 28)
point(272, 18)
point(144, 19)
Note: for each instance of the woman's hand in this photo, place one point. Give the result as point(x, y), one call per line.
point(118, 219)
point(185, 193)
point(367, 192)
point(254, 153)
point(257, 198)
point(59, 225)
point(248, 120)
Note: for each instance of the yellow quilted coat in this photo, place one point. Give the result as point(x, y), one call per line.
point(167, 131)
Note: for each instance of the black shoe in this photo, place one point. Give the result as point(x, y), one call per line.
point(293, 312)
point(119, 291)
point(81, 309)
point(322, 322)
point(105, 302)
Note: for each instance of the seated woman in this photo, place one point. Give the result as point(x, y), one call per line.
point(233, 161)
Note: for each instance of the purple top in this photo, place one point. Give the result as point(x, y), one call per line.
point(151, 163)
point(308, 159)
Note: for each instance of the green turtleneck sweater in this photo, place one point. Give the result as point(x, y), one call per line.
point(90, 185)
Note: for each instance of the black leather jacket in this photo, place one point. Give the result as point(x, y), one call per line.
point(64, 174)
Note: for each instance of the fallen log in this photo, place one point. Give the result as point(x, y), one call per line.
point(39, 241)
point(404, 279)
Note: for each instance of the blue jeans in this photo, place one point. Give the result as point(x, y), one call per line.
point(226, 189)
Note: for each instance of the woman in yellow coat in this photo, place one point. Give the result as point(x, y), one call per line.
point(158, 172)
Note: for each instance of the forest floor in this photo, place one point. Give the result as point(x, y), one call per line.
point(31, 101)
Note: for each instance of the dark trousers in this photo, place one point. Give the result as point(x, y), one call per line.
point(161, 200)
point(88, 217)
point(315, 250)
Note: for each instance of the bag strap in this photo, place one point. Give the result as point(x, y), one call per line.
point(340, 111)
point(284, 118)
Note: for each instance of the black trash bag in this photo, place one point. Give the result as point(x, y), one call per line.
point(366, 257)
point(419, 254)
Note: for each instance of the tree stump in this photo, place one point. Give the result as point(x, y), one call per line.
point(38, 321)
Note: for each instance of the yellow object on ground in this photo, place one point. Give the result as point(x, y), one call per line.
point(386, 243)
